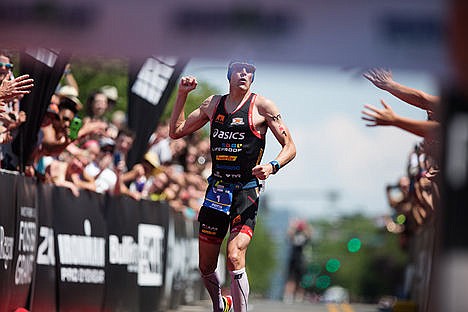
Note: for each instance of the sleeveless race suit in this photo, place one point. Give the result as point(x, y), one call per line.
point(236, 147)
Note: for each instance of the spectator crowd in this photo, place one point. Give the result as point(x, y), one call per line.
point(90, 153)
point(95, 157)
point(414, 198)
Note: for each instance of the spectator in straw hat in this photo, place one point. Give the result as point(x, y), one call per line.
point(71, 93)
point(143, 183)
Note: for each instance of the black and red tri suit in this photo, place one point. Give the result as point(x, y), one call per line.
point(236, 148)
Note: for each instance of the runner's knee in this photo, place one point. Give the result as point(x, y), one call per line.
point(207, 264)
point(207, 268)
point(235, 259)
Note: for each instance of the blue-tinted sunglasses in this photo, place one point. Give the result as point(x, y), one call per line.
point(7, 65)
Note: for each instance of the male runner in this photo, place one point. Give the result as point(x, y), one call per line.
point(239, 122)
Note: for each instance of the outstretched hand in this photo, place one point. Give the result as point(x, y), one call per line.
point(9, 89)
point(380, 77)
point(379, 117)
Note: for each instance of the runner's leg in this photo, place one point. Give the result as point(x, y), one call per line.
point(208, 259)
point(236, 250)
point(213, 229)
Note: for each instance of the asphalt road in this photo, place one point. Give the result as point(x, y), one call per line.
point(257, 305)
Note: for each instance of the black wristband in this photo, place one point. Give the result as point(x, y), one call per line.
point(276, 166)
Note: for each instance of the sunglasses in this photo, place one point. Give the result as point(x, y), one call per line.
point(239, 66)
point(7, 65)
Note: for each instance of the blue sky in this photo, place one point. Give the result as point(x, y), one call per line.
point(336, 152)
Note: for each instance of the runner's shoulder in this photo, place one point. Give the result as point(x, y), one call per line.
point(265, 105)
point(209, 105)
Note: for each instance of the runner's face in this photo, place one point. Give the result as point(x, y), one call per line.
point(242, 74)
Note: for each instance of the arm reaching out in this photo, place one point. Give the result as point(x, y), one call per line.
point(9, 89)
point(383, 79)
point(387, 117)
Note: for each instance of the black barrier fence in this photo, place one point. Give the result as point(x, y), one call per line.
point(93, 252)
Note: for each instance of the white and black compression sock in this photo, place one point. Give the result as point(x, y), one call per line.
point(240, 290)
point(212, 284)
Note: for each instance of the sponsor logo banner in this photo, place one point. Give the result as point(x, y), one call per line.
point(77, 253)
point(150, 264)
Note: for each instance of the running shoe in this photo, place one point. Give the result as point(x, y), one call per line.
point(227, 300)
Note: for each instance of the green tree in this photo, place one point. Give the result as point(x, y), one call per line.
point(261, 260)
point(369, 269)
point(194, 99)
point(93, 73)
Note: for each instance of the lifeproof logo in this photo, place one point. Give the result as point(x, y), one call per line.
point(228, 135)
point(228, 147)
point(79, 250)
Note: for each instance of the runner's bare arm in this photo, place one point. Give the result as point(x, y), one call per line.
point(179, 126)
point(275, 122)
point(280, 131)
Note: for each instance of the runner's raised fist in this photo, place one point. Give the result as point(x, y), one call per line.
point(188, 83)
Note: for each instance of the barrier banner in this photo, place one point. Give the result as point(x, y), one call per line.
point(122, 292)
point(44, 287)
point(169, 267)
point(194, 287)
point(179, 268)
point(24, 252)
point(54, 254)
point(46, 67)
point(7, 236)
point(152, 233)
point(81, 231)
